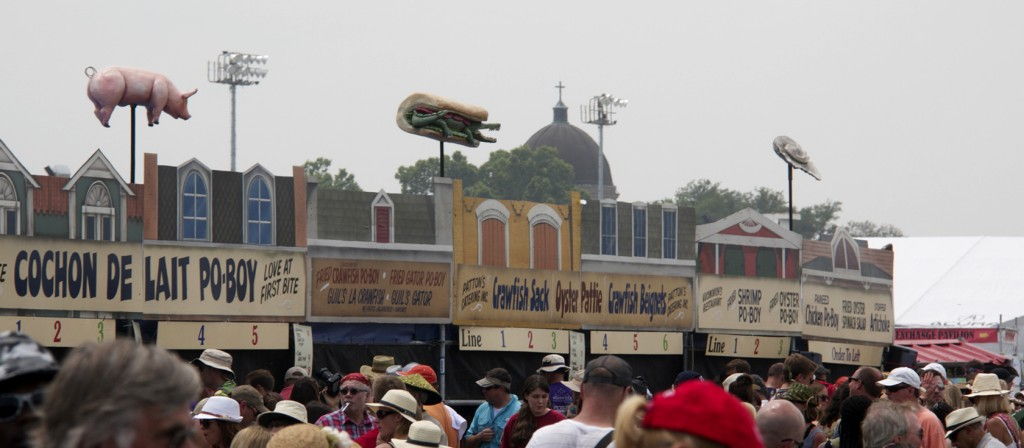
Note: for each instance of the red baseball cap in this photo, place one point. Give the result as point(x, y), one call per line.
point(423, 370)
point(702, 409)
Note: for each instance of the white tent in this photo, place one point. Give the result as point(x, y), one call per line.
point(956, 281)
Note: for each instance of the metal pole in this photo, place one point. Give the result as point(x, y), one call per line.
point(442, 158)
point(441, 368)
point(600, 161)
point(790, 197)
point(233, 148)
point(133, 144)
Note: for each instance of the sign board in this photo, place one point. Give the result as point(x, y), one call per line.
point(61, 331)
point(229, 282)
point(51, 274)
point(749, 304)
point(513, 340)
point(854, 314)
point(360, 288)
point(737, 346)
point(852, 354)
point(636, 343)
point(577, 351)
point(222, 335)
point(973, 335)
point(525, 297)
point(302, 338)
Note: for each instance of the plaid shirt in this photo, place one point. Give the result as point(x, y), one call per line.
point(338, 420)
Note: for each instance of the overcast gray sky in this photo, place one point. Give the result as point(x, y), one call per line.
point(912, 110)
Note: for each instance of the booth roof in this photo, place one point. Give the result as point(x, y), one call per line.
point(956, 281)
point(953, 351)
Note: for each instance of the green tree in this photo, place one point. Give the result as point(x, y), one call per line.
point(319, 170)
point(531, 174)
point(418, 177)
point(712, 202)
point(870, 229)
point(522, 173)
point(818, 220)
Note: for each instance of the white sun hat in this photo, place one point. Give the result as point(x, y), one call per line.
point(220, 408)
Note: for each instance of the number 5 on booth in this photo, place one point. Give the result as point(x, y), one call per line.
point(636, 343)
point(222, 335)
point(60, 332)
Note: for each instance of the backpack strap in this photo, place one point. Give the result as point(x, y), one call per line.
point(606, 440)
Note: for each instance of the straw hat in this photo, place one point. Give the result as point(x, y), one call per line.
point(306, 435)
point(416, 382)
point(421, 434)
point(220, 408)
point(986, 384)
point(379, 366)
point(575, 381)
point(400, 401)
point(962, 418)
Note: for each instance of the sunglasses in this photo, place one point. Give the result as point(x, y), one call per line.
point(205, 423)
point(492, 387)
point(12, 405)
point(351, 391)
point(894, 389)
point(381, 413)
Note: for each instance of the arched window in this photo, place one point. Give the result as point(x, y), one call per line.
point(492, 241)
point(259, 212)
point(545, 246)
point(10, 224)
point(545, 237)
point(493, 251)
point(194, 208)
point(98, 214)
point(383, 226)
point(844, 253)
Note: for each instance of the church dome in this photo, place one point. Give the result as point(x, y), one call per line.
point(576, 148)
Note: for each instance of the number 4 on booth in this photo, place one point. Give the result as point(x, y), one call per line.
point(223, 335)
point(636, 343)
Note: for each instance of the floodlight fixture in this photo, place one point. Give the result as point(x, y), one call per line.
point(600, 110)
point(236, 69)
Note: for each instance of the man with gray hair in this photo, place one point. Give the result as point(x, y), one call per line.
point(119, 394)
point(891, 425)
point(781, 424)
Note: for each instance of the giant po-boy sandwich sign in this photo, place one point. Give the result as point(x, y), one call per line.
point(39, 273)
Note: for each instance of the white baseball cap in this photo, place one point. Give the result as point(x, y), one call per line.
point(902, 375)
point(935, 367)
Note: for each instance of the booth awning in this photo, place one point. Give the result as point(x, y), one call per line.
point(951, 350)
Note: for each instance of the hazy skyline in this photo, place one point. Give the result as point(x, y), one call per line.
point(909, 109)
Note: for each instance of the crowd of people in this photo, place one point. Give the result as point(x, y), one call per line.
point(121, 394)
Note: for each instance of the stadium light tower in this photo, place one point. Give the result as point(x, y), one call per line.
point(236, 69)
point(600, 111)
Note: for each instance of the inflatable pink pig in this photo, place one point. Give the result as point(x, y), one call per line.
point(120, 86)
